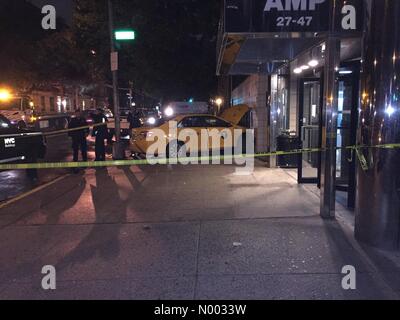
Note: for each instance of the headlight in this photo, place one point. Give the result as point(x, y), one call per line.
point(151, 121)
point(169, 112)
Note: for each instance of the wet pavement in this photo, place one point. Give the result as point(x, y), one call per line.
point(184, 232)
point(16, 182)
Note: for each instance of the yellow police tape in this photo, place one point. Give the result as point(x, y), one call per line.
point(202, 159)
point(61, 132)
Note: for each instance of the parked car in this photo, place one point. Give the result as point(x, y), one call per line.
point(20, 145)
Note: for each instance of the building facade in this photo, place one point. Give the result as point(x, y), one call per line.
point(57, 99)
point(304, 62)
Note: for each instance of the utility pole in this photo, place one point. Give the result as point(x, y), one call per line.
point(118, 149)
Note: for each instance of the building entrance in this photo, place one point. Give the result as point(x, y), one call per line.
point(310, 107)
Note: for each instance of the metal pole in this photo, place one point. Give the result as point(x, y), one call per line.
point(329, 121)
point(118, 151)
point(377, 213)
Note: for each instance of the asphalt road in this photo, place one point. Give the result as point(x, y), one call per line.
point(16, 182)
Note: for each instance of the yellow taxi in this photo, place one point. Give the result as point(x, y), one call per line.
point(193, 132)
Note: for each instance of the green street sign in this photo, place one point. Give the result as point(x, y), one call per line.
point(124, 35)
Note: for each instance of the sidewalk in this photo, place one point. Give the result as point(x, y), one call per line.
point(184, 232)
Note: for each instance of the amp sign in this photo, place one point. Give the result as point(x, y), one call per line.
point(295, 5)
point(291, 15)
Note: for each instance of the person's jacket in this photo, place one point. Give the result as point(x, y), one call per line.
point(100, 131)
point(134, 121)
point(78, 122)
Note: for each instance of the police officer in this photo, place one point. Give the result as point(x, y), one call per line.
point(100, 131)
point(79, 136)
point(134, 120)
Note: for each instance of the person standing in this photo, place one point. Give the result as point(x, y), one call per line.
point(100, 131)
point(134, 120)
point(79, 136)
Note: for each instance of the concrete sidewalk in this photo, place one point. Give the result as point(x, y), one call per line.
point(184, 232)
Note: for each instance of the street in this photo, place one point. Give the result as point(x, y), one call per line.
point(13, 183)
point(16, 182)
point(181, 232)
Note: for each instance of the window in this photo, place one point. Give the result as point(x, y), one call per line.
point(245, 122)
point(52, 104)
point(212, 122)
point(4, 123)
point(203, 122)
point(43, 102)
point(193, 122)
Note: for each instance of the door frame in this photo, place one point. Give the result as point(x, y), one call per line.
point(300, 177)
point(355, 79)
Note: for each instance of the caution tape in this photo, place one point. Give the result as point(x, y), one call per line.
point(193, 160)
point(61, 132)
point(51, 133)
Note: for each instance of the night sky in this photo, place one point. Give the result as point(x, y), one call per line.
point(63, 7)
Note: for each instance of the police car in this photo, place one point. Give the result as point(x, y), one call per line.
point(19, 118)
point(19, 145)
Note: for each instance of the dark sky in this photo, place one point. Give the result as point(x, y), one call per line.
point(63, 7)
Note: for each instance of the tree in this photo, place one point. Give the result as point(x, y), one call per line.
point(174, 54)
point(31, 55)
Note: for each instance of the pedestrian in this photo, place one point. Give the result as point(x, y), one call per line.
point(134, 120)
point(79, 136)
point(101, 133)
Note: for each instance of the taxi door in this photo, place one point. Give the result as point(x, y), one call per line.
point(220, 133)
point(189, 132)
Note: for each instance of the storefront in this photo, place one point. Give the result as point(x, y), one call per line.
point(325, 71)
point(282, 47)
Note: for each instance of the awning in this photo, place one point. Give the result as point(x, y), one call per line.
point(260, 36)
point(244, 55)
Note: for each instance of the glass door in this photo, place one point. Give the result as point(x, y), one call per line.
point(346, 133)
point(310, 95)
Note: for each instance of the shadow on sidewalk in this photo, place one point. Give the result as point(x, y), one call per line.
point(103, 240)
point(54, 210)
point(345, 253)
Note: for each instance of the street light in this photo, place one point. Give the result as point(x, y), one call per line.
point(5, 95)
point(219, 102)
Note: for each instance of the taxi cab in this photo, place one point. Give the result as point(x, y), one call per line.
point(219, 132)
point(19, 145)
